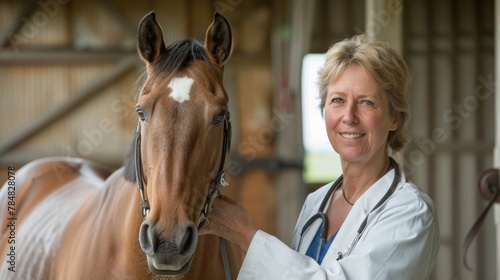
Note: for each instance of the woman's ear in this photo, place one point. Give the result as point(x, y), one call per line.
point(397, 121)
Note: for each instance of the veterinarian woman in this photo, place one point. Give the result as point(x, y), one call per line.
point(371, 223)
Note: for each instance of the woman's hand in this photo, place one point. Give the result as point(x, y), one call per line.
point(230, 221)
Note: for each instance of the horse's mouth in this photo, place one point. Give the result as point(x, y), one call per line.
point(162, 269)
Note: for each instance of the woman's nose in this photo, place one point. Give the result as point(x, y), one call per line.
point(350, 116)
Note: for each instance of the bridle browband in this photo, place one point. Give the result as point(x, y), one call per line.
point(218, 184)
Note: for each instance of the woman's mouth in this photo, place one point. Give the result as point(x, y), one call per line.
point(351, 135)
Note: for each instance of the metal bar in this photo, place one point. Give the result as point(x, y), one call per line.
point(453, 147)
point(17, 23)
point(41, 122)
point(54, 56)
point(496, 156)
point(271, 163)
point(480, 123)
point(456, 205)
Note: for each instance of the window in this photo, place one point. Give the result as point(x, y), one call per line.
point(321, 162)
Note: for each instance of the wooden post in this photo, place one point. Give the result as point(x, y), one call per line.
point(290, 190)
point(384, 21)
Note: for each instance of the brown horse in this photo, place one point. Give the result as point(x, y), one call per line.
point(73, 219)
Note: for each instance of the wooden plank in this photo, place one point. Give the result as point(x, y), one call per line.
point(58, 56)
point(75, 101)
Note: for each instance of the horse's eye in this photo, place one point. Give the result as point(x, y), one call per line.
point(141, 114)
point(219, 118)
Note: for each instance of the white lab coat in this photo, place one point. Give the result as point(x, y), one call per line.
point(401, 240)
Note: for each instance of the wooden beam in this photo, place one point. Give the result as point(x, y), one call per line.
point(129, 26)
point(51, 116)
point(64, 56)
point(16, 24)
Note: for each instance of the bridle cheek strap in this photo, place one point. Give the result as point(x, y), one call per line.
point(138, 172)
point(220, 182)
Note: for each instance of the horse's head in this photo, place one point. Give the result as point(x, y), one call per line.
point(181, 147)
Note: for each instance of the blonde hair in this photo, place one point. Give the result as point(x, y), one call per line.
point(387, 69)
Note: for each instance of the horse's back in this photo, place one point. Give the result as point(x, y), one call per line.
point(46, 195)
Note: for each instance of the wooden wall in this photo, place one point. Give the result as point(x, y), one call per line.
point(61, 51)
point(72, 67)
point(52, 52)
point(450, 48)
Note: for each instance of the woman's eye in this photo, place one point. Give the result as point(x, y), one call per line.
point(336, 100)
point(367, 102)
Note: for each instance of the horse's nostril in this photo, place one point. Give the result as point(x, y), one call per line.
point(184, 242)
point(188, 239)
point(148, 238)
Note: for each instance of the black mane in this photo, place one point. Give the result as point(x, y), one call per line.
point(177, 57)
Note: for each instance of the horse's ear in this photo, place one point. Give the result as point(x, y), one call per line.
point(150, 42)
point(219, 40)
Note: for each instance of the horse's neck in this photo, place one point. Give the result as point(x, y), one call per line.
point(120, 201)
point(125, 219)
point(107, 226)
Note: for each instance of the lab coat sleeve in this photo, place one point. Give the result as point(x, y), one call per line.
point(385, 251)
point(268, 258)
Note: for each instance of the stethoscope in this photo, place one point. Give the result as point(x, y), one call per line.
point(322, 216)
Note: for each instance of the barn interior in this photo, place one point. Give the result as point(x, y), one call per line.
point(70, 72)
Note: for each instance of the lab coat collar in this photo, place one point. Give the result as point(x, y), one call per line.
point(309, 212)
point(348, 231)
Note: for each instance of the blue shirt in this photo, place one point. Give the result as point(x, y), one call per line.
point(313, 248)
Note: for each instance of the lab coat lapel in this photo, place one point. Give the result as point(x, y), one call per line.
point(311, 210)
point(361, 208)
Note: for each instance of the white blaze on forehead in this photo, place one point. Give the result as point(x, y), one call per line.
point(180, 88)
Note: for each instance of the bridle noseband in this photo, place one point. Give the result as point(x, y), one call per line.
point(218, 184)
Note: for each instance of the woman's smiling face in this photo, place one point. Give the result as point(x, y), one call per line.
point(357, 117)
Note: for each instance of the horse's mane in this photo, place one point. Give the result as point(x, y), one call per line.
point(177, 57)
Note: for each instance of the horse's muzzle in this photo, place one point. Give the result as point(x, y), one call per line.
point(168, 254)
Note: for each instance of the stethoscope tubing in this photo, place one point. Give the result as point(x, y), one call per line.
point(322, 216)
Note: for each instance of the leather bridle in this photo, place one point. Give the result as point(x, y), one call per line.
point(218, 184)
point(220, 180)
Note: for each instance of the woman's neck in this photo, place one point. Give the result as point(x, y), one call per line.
point(358, 176)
